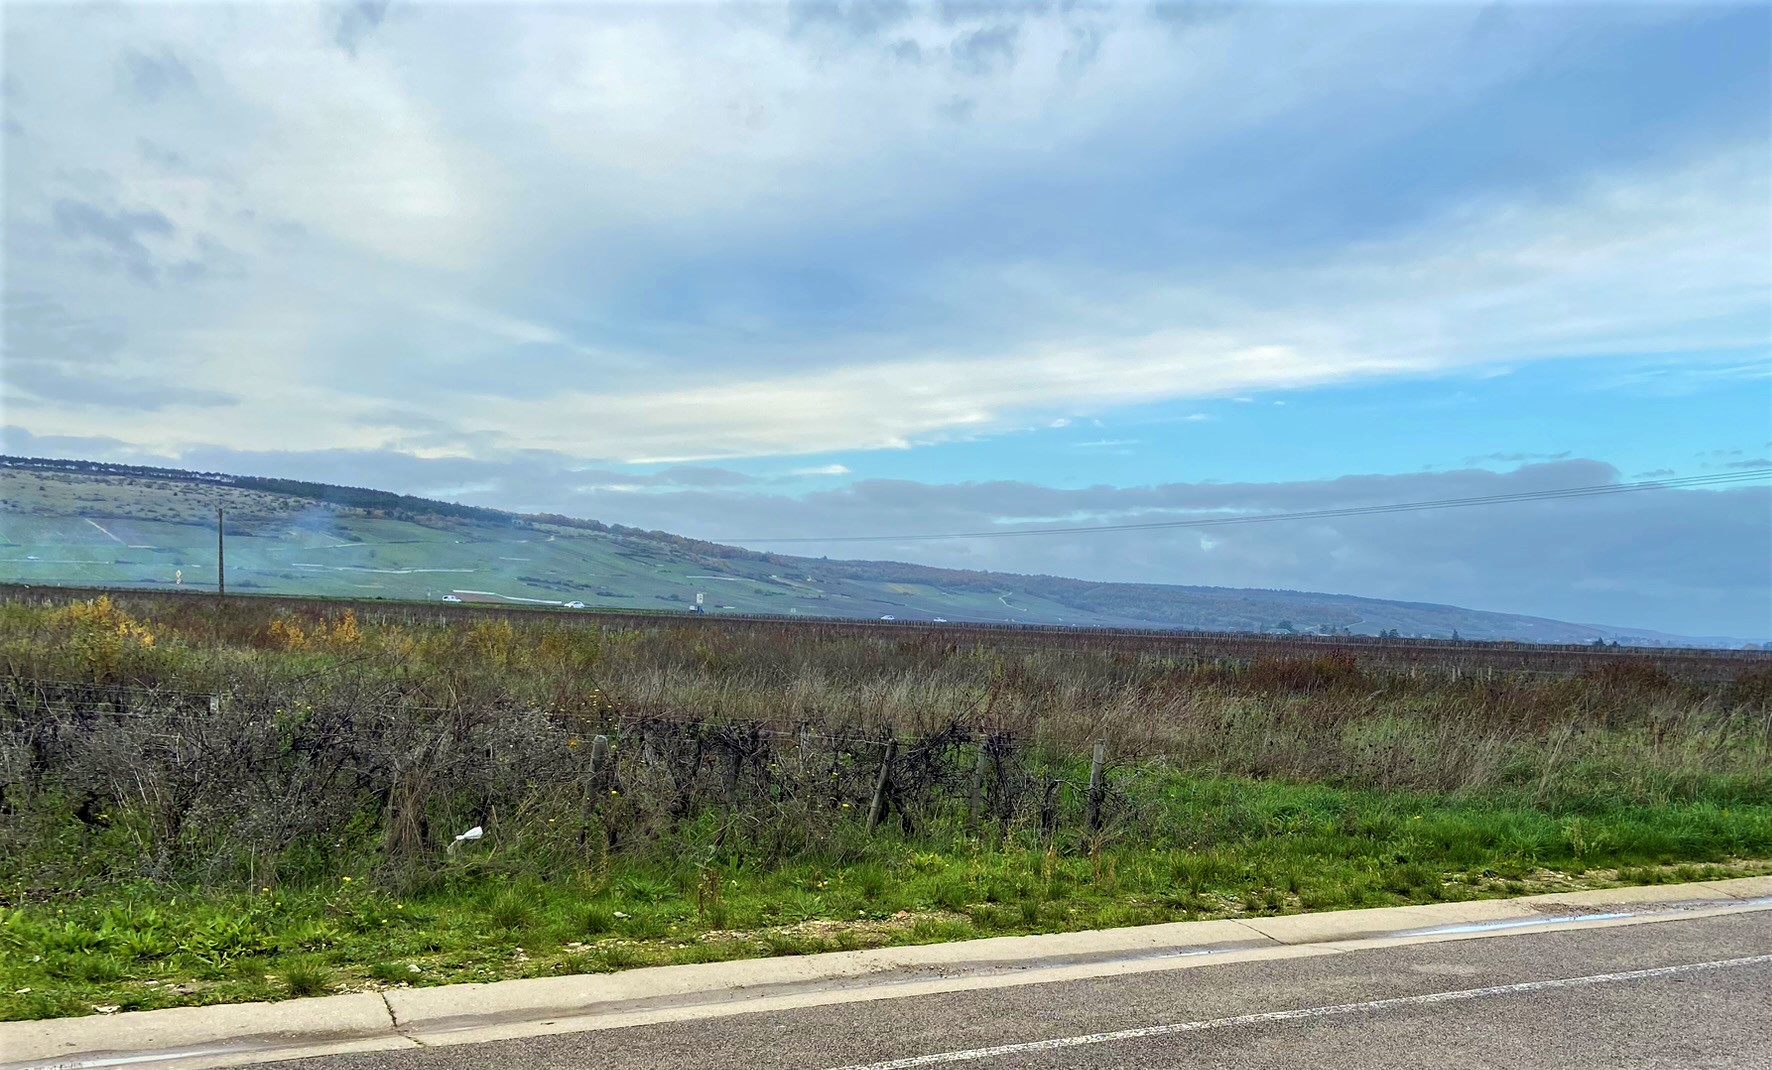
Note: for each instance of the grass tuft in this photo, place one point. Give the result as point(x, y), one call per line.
point(304, 978)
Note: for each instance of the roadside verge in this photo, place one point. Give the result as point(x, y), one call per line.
point(187, 1038)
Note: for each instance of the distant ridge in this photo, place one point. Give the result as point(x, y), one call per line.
point(299, 537)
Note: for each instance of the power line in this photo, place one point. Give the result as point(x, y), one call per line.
point(1678, 482)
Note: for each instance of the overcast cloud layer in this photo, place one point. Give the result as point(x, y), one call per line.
point(844, 268)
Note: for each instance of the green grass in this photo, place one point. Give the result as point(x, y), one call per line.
point(1216, 848)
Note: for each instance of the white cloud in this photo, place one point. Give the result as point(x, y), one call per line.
point(466, 187)
point(1639, 264)
point(823, 470)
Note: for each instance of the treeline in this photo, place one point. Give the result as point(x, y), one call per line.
point(106, 468)
point(403, 505)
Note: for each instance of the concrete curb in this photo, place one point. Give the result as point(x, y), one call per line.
point(186, 1038)
point(334, 1023)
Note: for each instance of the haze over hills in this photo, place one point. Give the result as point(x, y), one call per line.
point(89, 523)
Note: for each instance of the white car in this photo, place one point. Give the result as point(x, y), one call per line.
point(889, 617)
point(939, 620)
point(575, 605)
point(452, 598)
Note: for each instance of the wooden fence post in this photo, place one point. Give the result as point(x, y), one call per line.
point(600, 764)
point(979, 773)
point(880, 785)
point(734, 766)
point(1049, 808)
point(1095, 790)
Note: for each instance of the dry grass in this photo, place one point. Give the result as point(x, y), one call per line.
point(290, 778)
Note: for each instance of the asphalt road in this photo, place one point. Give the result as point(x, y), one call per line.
point(1574, 1012)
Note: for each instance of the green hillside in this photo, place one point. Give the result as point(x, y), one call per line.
point(80, 523)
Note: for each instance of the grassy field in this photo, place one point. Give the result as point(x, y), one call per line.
point(150, 747)
point(1221, 848)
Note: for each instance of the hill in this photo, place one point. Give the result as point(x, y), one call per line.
point(90, 523)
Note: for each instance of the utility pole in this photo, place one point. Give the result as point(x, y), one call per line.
point(221, 561)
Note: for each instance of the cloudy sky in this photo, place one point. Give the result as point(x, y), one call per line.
point(754, 271)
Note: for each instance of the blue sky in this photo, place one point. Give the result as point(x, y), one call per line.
point(1638, 414)
point(843, 268)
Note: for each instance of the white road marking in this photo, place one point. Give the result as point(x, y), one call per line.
point(388, 571)
point(1302, 1013)
point(134, 1059)
point(101, 527)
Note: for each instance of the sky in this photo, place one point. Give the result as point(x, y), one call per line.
point(758, 271)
